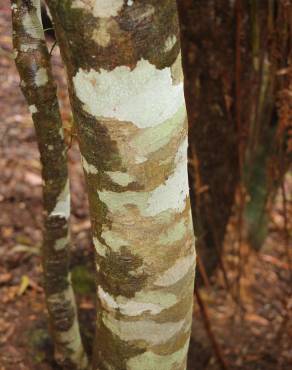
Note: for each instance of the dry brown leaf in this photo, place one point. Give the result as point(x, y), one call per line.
point(33, 179)
point(252, 317)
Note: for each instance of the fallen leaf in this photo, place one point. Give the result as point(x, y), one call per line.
point(5, 278)
point(252, 317)
point(25, 249)
point(33, 179)
point(275, 261)
point(24, 284)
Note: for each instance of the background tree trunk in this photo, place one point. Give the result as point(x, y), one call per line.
point(126, 89)
point(33, 63)
point(208, 45)
point(232, 51)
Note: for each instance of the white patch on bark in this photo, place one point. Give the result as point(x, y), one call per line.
point(70, 339)
point(37, 5)
point(173, 234)
point(151, 360)
point(169, 43)
point(106, 299)
point(152, 332)
point(33, 109)
point(61, 133)
point(170, 195)
point(101, 35)
point(176, 71)
point(144, 96)
point(120, 178)
point(143, 14)
point(140, 159)
point(62, 207)
point(89, 168)
point(32, 25)
point(41, 77)
point(61, 243)
point(118, 202)
point(107, 8)
point(152, 139)
point(130, 2)
point(26, 47)
point(151, 302)
point(177, 271)
point(100, 8)
point(99, 247)
point(113, 240)
point(173, 193)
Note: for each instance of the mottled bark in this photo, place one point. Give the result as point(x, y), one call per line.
point(33, 63)
point(126, 89)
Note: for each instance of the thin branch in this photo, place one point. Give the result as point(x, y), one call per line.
point(216, 347)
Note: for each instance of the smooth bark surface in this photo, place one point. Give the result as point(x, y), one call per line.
point(33, 63)
point(126, 89)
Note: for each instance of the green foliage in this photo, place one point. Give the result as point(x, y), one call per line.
point(38, 341)
point(83, 280)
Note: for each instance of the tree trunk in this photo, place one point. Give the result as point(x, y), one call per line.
point(126, 88)
point(33, 63)
point(208, 44)
point(231, 53)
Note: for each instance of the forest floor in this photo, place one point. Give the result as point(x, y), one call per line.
point(254, 333)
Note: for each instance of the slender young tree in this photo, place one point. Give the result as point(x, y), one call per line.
point(126, 88)
point(33, 63)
